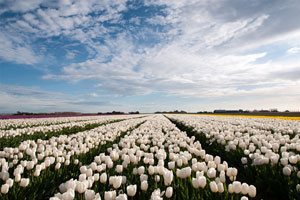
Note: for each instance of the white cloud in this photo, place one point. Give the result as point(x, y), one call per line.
point(20, 53)
point(93, 95)
point(294, 50)
point(70, 55)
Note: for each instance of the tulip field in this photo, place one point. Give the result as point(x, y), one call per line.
point(154, 157)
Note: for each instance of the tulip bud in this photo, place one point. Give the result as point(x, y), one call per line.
point(213, 186)
point(141, 170)
point(171, 165)
point(220, 187)
point(286, 171)
point(196, 183)
point(110, 195)
point(4, 188)
point(252, 191)
point(169, 192)
point(245, 188)
point(237, 187)
point(211, 173)
point(202, 181)
point(103, 178)
point(119, 168)
point(151, 170)
point(81, 186)
point(89, 194)
point(24, 182)
point(131, 190)
point(157, 178)
point(168, 177)
point(117, 182)
point(144, 185)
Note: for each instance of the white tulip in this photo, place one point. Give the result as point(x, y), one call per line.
point(213, 186)
point(119, 169)
point(4, 188)
point(286, 171)
point(245, 188)
point(89, 194)
point(24, 182)
point(151, 170)
point(171, 165)
point(131, 190)
point(298, 187)
point(103, 178)
point(169, 192)
point(69, 195)
point(10, 182)
point(252, 191)
point(121, 197)
point(82, 177)
point(141, 170)
point(211, 173)
point(110, 195)
point(117, 181)
point(202, 181)
point(237, 187)
point(144, 185)
point(157, 178)
point(220, 187)
point(196, 183)
point(168, 177)
point(81, 187)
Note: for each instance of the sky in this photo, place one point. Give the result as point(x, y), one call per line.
point(147, 56)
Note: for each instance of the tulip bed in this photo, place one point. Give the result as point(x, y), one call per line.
point(152, 157)
point(9, 124)
point(31, 170)
point(265, 151)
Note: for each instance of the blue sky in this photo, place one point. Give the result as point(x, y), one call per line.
point(152, 55)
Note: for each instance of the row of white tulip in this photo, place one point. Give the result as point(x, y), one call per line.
point(263, 142)
point(154, 159)
point(30, 122)
point(252, 136)
point(35, 157)
point(57, 127)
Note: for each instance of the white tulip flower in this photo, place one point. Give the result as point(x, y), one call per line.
point(131, 190)
point(252, 191)
point(4, 188)
point(89, 194)
point(202, 181)
point(286, 171)
point(110, 195)
point(121, 197)
point(169, 192)
point(24, 182)
point(144, 185)
point(213, 186)
point(103, 178)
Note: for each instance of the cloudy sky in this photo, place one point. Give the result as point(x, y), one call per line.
point(152, 55)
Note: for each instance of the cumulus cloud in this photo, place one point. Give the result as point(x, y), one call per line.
point(11, 50)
